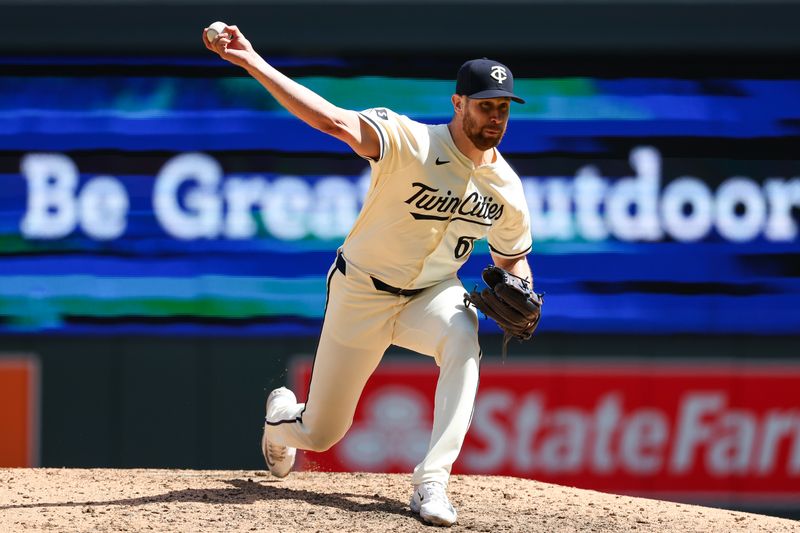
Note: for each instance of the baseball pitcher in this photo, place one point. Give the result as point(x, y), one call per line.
point(434, 191)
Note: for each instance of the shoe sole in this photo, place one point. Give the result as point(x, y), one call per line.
point(264, 453)
point(264, 446)
point(436, 521)
point(266, 459)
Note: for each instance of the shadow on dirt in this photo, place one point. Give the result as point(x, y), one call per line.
point(248, 492)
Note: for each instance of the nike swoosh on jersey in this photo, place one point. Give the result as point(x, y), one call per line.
point(438, 162)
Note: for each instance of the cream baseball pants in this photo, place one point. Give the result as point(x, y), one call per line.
point(359, 325)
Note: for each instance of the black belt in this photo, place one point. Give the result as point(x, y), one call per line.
point(341, 265)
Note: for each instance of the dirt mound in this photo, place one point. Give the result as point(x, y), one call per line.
point(201, 501)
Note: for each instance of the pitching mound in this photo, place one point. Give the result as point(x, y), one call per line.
point(200, 501)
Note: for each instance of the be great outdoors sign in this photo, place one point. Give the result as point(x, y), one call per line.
point(193, 199)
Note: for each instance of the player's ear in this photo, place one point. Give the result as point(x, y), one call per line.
point(458, 104)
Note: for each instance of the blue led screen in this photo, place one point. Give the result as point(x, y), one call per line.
point(191, 204)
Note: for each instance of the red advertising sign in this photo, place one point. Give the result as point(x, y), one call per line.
point(713, 430)
point(19, 410)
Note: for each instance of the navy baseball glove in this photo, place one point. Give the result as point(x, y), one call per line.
point(510, 301)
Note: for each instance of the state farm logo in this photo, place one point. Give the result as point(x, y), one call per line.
point(704, 436)
point(720, 431)
point(394, 431)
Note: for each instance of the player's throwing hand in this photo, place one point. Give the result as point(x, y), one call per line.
point(231, 45)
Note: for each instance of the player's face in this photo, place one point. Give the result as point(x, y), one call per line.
point(485, 121)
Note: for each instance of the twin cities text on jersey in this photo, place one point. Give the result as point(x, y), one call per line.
point(480, 208)
point(191, 197)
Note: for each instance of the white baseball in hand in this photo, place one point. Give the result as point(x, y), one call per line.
point(214, 30)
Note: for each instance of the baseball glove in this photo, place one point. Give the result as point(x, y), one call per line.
point(510, 301)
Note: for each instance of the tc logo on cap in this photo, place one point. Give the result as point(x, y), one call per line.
point(499, 73)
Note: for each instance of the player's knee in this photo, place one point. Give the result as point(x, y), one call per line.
point(460, 348)
point(465, 324)
point(322, 442)
point(461, 335)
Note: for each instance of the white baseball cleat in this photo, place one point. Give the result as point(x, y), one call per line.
point(280, 459)
point(430, 501)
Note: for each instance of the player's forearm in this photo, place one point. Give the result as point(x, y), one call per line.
point(302, 102)
point(522, 269)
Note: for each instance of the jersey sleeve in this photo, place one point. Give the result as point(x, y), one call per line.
point(399, 145)
point(510, 237)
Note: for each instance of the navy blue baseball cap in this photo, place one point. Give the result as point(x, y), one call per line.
point(486, 78)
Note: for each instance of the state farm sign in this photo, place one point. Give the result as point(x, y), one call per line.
point(668, 428)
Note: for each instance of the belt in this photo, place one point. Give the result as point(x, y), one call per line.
point(341, 266)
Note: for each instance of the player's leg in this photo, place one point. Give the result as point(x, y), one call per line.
point(438, 323)
point(355, 334)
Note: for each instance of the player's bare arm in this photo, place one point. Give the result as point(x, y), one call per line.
point(518, 266)
point(343, 124)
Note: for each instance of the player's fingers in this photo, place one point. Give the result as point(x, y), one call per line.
point(233, 31)
point(217, 38)
point(222, 41)
point(238, 38)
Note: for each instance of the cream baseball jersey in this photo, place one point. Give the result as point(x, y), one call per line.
point(428, 203)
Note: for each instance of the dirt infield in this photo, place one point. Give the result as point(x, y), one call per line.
point(201, 501)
